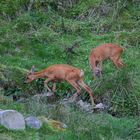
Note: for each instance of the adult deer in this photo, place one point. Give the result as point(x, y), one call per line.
point(60, 72)
point(103, 52)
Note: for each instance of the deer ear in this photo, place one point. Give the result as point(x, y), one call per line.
point(33, 69)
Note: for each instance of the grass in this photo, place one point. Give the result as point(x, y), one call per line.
point(35, 38)
point(38, 38)
point(80, 125)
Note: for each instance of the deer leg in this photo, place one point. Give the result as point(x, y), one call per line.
point(76, 86)
point(115, 61)
point(100, 67)
point(97, 70)
point(46, 83)
point(54, 87)
point(93, 66)
point(88, 90)
point(121, 63)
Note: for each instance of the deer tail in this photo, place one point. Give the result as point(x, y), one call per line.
point(81, 73)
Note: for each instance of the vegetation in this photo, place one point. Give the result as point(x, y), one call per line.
point(43, 33)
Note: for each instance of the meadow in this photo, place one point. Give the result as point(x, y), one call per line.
point(42, 34)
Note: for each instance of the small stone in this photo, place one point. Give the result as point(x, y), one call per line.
point(45, 97)
point(100, 106)
point(84, 106)
point(33, 122)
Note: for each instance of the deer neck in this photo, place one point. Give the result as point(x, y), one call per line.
point(40, 74)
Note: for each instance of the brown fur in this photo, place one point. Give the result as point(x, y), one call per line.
point(60, 72)
point(103, 52)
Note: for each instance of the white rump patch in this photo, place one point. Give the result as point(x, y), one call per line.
point(81, 73)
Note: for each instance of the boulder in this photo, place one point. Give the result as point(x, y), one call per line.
point(12, 119)
point(33, 122)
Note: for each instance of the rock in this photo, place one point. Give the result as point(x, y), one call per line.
point(84, 106)
point(49, 94)
point(72, 99)
point(45, 97)
point(12, 119)
point(33, 122)
point(100, 106)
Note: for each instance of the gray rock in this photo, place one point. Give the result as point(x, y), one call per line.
point(100, 106)
point(12, 119)
point(64, 125)
point(33, 122)
point(84, 106)
point(45, 97)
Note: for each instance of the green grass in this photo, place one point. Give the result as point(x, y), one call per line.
point(38, 38)
point(80, 125)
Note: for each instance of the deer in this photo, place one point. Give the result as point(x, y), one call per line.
point(61, 72)
point(103, 52)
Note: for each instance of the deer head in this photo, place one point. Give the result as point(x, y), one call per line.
point(30, 75)
point(97, 72)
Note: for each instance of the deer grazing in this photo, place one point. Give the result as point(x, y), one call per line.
point(103, 52)
point(60, 72)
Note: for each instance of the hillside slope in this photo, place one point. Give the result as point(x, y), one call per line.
point(46, 32)
point(40, 33)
